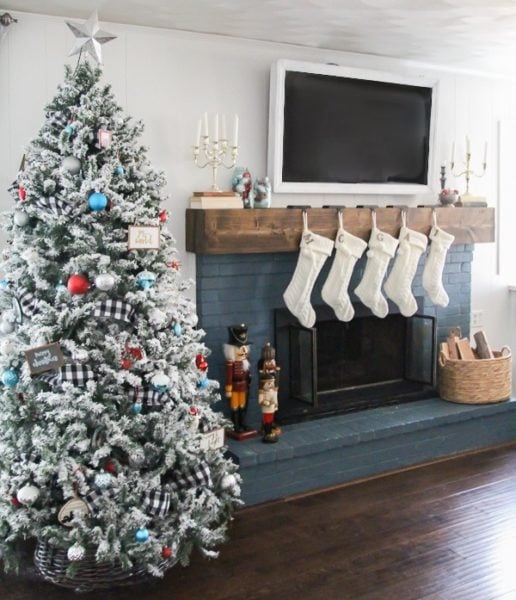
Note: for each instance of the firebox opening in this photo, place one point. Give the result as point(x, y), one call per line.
point(338, 367)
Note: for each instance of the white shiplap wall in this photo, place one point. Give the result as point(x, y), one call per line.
point(169, 78)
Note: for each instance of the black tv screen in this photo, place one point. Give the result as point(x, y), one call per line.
point(346, 130)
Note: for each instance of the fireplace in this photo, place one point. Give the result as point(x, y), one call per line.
point(338, 367)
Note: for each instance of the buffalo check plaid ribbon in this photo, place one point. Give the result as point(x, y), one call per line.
point(156, 502)
point(53, 206)
point(114, 309)
point(192, 477)
point(77, 374)
point(94, 497)
point(28, 303)
point(148, 397)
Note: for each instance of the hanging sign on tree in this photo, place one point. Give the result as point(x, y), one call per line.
point(44, 358)
point(143, 237)
point(213, 439)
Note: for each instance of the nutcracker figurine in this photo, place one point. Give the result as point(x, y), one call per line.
point(238, 379)
point(268, 372)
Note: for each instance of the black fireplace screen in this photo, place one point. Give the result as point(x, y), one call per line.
point(340, 367)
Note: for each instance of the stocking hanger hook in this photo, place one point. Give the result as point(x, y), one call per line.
point(373, 217)
point(434, 218)
point(305, 219)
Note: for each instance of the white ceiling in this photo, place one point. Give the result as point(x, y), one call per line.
point(476, 34)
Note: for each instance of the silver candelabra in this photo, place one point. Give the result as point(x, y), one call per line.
point(215, 152)
point(468, 171)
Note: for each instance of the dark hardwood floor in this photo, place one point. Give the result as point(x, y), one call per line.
point(446, 531)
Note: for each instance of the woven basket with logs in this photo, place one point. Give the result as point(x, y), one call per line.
point(88, 574)
point(480, 381)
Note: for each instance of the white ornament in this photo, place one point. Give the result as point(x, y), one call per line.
point(157, 318)
point(103, 480)
point(228, 482)
point(75, 507)
point(76, 553)
point(28, 494)
point(7, 347)
point(71, 164)
point(104, 282)
point(160, 382)
point(21, 218)
point(6, 327)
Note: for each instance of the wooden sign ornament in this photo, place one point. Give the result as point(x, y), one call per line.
point(44, 358)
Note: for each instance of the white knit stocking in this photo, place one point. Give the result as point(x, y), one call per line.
point(335, 290)
point(433, 271)
point(314, 250)
point(398, 286)
point(382, 247)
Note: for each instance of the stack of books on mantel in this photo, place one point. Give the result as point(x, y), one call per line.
point(207, 200)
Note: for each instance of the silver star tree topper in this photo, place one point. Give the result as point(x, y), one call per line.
point(89, 37)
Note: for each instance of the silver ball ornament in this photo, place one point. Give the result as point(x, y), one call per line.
point(71, 164)
point(21, 218)
point(160, 383)
point(104, 282)
point(7, 327)
point(228, 482)
point(27, 495)
point(76, 553)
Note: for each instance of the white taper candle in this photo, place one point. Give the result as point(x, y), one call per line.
point(206, 124)
point(235, 133)
point(216, 132)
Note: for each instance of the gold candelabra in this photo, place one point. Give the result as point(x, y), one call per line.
point(468, 171)
point(215, 152)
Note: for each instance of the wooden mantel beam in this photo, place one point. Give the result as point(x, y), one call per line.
point(254, 231)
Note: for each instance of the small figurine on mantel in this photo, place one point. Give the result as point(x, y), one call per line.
point(268, 393)
point(261, 193)
point(241, 184)
point(238, 380)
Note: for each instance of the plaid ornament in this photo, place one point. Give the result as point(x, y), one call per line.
point(27, 302)
point(191, 477)
point(94, 497)
point(53, 206)
point(76, 374)
point(156, 502)
point(114, 309)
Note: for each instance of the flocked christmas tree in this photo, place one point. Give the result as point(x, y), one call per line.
point(105, 453)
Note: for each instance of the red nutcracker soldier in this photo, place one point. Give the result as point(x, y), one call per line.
point(268, 371)
point(238, 379)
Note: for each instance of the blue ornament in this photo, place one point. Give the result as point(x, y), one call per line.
point(145, 280)
point(119, 170)
point(160, 383)
point(97, 201)
point(203, 383)
point(141, 535)
point(10, 378)
point(60, 286)
point(4, 284)
point(70, 129)
point(177, 329)
point(137, 408)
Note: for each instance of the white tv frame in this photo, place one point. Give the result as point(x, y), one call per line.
point(276, 127)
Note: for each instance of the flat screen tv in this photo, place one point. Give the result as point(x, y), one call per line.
point(341, 130)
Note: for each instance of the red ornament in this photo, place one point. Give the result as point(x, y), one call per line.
point(167, 552)
point(127, 363)
point(22, 193)
point(110, 466)
point(78, 284)
point(175, 264)
point(136, 353)
point(15, 502)
point(193, 410)
point(163, 216)
point(201, 363)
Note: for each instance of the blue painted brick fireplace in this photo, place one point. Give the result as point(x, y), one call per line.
point(247, 288)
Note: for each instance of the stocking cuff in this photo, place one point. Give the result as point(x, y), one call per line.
point(316, 243)
point(349, 244)
point(441, 237)
point(414, 238)
point(383, 242)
